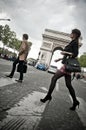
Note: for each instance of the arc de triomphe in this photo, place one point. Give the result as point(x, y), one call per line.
point(52, 40)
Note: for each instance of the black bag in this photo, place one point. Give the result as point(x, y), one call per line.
point(24, 68)
point(72, 65)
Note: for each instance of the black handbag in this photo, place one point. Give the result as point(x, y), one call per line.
point(24, 68)
point(72, 65)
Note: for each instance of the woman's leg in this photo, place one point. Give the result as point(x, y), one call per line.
point(52, 85)
point(69, 86)
point(57, 75)
point(72, 92)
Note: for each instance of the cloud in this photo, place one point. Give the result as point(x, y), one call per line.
point(79, 15)
point(33, 17)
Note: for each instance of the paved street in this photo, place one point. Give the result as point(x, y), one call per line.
point(21, 109)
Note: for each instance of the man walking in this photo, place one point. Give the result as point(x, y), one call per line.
point(23, 53)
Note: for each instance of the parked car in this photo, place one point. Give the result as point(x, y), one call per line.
point(32, 62)
point(41, 66)
point(83, 69)
point(52, 69)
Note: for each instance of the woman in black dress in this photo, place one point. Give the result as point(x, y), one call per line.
point(70, 50)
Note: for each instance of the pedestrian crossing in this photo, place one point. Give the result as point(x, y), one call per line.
point(6, 81)
point(83, 80)
point(82, 108)
point(31, 107)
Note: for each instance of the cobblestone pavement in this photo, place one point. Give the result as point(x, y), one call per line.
point(21, 109)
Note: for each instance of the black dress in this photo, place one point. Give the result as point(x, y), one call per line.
point(72, 47)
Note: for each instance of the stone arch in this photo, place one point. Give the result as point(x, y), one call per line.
point(56, 48)
point(52, 40)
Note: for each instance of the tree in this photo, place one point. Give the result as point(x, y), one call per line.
point(82, 60)
point(9, 39)
point(12, 38)
point(1, 32)
point(6, 35)
point(16, 43)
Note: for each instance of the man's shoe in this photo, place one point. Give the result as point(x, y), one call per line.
point(20, 81)
point(9, 76)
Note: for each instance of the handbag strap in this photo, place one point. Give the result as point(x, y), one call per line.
point(73, 77)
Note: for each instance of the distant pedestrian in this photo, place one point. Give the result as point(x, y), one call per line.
point(71, 50)
point(78, 76)
point(23, 53)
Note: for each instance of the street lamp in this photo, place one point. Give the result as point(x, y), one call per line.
point(5, 19)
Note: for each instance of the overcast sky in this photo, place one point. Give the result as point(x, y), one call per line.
point(33, 16)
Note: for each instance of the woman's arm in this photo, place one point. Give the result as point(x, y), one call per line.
point(58, 59)
point(66, 53)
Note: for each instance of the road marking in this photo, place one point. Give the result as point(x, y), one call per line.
point(57, 86)
point(45, 89)
point(31, 71)
point(29, 108)
point(82, 110)
point(83, 80)
point(6, 81)
point(7, 73)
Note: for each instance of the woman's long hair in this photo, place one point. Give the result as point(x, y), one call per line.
point(77, 32)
